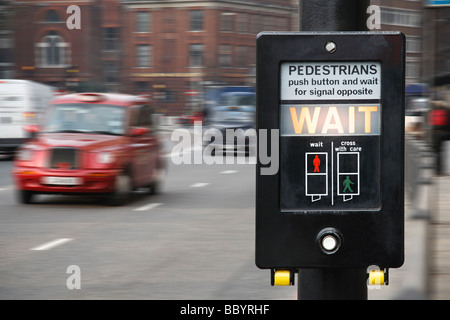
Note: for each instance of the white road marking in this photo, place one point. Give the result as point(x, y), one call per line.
point(228, 171)
point(5, 188)
point(52, 244)
point(199, 185)
point(148, 206)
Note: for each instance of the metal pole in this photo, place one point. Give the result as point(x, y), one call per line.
point(333, 15)
point(338, 283)
point(332, 284)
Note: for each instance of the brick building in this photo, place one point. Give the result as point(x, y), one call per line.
point(50, 48)
point(405, 16)
point(6, 40)
point(174, 49)
point(46, 50)
point(437, 46)
point(170, 49)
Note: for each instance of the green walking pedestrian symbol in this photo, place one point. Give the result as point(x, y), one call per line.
point(347, 182)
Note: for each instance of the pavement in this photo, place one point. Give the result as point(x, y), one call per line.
point(411, 280)
point(425, 274)
point(440, 226)
point(440, 235)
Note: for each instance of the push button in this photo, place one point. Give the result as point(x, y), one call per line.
point(329, 240)
point(329, 243)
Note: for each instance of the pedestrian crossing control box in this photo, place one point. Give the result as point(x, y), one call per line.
point(330, 106)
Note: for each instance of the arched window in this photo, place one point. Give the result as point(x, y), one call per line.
point(52, 51)
point(51, 16)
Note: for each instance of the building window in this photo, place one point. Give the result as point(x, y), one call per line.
point(413, 44)
point(400, 17)
point(226, 22)
point(195, 55)
point(143, 55)
point(140, 87)
point(412, 70)
point(52, 51)
point(196, 20)
point(225, 55)
point(111, 72)
point(242, 23)
point(6, 50)
point(52, 16)
point(143, 21)
point(111, 38)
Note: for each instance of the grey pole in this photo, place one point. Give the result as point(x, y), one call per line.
point(333, 15)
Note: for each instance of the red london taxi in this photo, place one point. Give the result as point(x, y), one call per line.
point(92, 143)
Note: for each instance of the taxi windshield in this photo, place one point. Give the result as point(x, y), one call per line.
point(86, 118)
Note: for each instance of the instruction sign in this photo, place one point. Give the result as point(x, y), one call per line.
point(328, 80)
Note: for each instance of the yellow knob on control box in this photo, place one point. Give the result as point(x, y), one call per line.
point(282, 278)
point(376, 277)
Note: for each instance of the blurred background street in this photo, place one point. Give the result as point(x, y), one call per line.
point(195, 240)
point(193, 61)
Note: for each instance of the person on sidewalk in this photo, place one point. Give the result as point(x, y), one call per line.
point(439, 124)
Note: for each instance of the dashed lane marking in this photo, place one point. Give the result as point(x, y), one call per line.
point(228, 171)
point(199, 185)
point(51, 244)
point(148, 206)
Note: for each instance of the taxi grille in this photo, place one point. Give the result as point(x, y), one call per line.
point(64, 158)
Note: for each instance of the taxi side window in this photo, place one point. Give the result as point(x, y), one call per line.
point(134, 118)
point(141, 116)
point(145, 117)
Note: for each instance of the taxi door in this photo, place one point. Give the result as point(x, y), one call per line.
point(144, 147)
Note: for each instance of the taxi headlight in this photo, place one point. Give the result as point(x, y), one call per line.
point(105, 157)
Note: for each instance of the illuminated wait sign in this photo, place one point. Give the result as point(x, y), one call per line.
point(323, 120)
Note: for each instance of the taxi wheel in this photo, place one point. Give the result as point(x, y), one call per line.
point(122, 193)
point(25, 196)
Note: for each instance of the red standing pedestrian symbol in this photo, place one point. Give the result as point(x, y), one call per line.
point(316, 163)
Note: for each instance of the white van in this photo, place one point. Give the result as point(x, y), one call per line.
point(22, 102)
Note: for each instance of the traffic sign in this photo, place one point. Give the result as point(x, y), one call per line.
point(337, 101)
